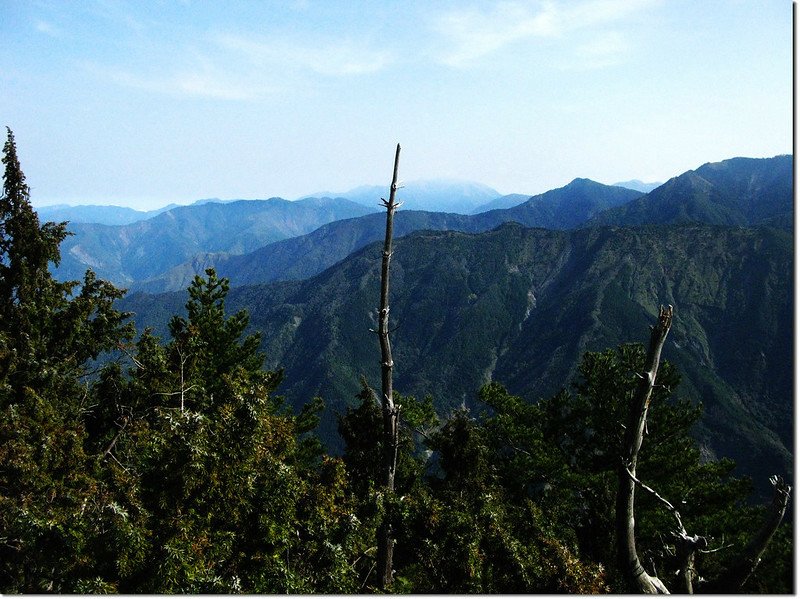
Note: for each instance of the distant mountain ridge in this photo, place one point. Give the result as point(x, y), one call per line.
point(162, 255)
point(307, 255)
point(432, 195)
point(638, 185)
point(581, 203)
point(102, 215)
point(569, 206)
point(127, 253)
point(506, 201)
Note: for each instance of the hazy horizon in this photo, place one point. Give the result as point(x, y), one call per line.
point(150, 103)
point(319, 194)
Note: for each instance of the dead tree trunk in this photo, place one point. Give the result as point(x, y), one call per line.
point(390, 410)
point(638, 580)
point(686, 547)
point(733, 578)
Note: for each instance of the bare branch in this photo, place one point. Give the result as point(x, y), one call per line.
point(107, 452)
point(133, 359)
point(655, 494)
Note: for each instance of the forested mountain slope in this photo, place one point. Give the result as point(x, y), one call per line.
point(307, 255)
point(521, 306)
point(126, 253)
point(738, 191)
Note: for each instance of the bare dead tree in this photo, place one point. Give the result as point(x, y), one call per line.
point(638, 579)
point(391, 412)
point(733, 578)
point(686, 546)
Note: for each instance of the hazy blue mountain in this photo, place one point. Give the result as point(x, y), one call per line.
point(637, 185)
point(214, 201)
point(521, 306)
point(739, 191)
point(126, 253)
point(507, 201)
point(582, 201)
point(438, 195)
point(103, 215)
point(304, 256)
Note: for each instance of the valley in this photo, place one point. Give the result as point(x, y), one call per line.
point(518, 295)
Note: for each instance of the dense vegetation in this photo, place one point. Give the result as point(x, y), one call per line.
point(523, 305)
point(179, 469)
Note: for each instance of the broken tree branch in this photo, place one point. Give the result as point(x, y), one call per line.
point(655, 494)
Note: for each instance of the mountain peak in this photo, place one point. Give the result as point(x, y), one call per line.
point(736, 191)
point(583, 182)
point(436, 195)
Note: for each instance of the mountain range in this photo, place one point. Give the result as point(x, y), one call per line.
point(303, 256)
point(498, 299)
point(127, 253)
point(580, 203)
point(433, 195)
point(166, 251)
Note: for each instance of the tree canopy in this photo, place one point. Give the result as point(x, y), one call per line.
point(133, 464)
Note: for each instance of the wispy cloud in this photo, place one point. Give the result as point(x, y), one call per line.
point(605, 50)
point(470, 33)
point(47, 28)
point(212, 86)
point(237, 67)
point(199, 83)
point(330, 58)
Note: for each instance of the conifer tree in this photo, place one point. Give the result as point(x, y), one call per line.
point(233, 498)
point(50, 502)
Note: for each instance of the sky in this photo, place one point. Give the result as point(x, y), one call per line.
point(144, 103)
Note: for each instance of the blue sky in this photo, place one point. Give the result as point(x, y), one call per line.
point(145, 103)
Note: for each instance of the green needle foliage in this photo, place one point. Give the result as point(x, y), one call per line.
point(51, 505)
point(234, 500)
point(176, 468)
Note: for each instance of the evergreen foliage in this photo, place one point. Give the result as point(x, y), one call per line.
point(51, 505)
point(177, 468)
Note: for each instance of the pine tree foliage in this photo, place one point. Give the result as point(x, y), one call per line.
point(176, 468)
point(233, 497)
point(50, 503)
